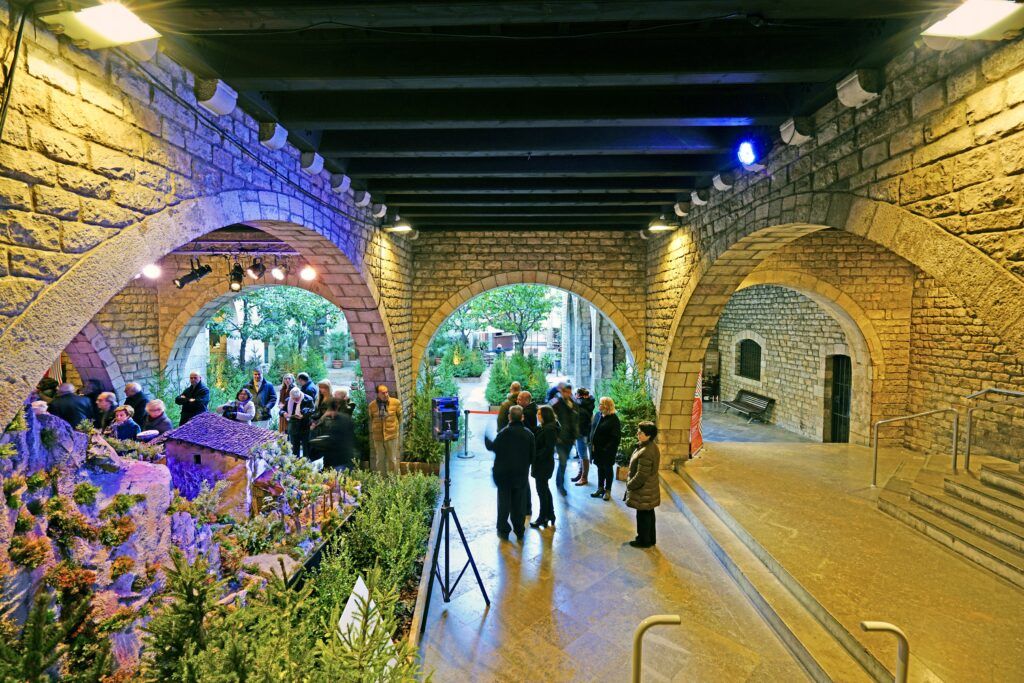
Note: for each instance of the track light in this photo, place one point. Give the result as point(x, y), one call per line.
point(152, 271)
point(979, 20)
point(659, 224)
point(108, 24)
point(307, 273)
point(196, 273)
point(399, 225)
point(256, 269)
point(279, 271)
point(236, 277)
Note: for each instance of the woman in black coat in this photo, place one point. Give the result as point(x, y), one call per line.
point(544, 465)
point(604, 445)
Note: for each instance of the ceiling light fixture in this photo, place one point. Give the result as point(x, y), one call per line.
point(279, 271)
point(236, 277)
point(256, 269)
point(196, 273)
point(399, 225)
point(152, 271)
point(307, 273)
point(107, 24)
point(979, 20)
point(659, 224)
point(746, 153)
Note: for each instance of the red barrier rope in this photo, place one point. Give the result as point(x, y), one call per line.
point(480, 412)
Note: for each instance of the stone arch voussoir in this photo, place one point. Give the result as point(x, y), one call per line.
point(94, 359)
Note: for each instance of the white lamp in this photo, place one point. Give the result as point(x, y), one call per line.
point(105, 25)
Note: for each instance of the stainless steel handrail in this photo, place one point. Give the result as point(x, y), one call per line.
point(901, 418)
point(970, 414)
point(638, 638)
point(902, 648)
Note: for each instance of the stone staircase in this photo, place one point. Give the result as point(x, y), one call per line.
point(978, 514)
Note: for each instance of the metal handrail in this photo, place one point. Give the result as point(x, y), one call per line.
point(901, 418)
point(638, 638)
point(902, 648)
point(970, 415)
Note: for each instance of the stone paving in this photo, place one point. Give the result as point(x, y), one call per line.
point(565, 602)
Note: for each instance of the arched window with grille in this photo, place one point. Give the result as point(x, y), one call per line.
point(749, 360)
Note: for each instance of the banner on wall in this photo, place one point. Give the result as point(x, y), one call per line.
point(696, 436)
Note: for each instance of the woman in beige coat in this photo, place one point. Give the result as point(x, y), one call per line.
point(643, 489)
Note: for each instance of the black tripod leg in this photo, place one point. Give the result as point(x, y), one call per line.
point(441, 529)
point(469, 554)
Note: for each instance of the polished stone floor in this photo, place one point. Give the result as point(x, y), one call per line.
point(811, 506)
point(565, 602)
point(720, 424)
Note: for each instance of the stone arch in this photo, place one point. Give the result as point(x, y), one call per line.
point(178, 335)
point(992, 291)
point(330, 243)
point(94, 359)
point(629, 334)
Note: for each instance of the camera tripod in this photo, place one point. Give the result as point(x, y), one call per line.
point(447, 517)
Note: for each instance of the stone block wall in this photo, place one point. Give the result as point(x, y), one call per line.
point(130, 325)
point(795, 335)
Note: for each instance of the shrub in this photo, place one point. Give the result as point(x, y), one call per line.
point(71, 582)
point(497, 383)
point(29, 551)
point(8, 451)
point(37, 481)
point(18, 423)
point(527, 370)
point(420, 445)
point(258, 533)
point(462, 361)
point(207, 501)
point(121, 503)
point(86, 427)
point(630, 390)
point(121, 566)
point(116, 531)
point(14, 484)
point(48, 437)
point(24, 522)
point(35, 507)
point(85, 494)
point(65, 522)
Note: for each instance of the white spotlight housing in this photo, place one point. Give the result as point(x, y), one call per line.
point(109, 24)
point(681, 209)
point(860, 87)
point(273, 135)
point(362, 198)
point(311, 163)
point(215, 96)
point(699, 197)
point(796, 131)
point(379, 210)
point(979, 20)
point(142, 51)
point(152, 270)
point(723, 181)
point(340, 183)
point(308, 274)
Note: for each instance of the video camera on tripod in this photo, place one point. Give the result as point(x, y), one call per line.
point(445, 414)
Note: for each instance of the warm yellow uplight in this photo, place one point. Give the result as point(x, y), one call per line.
point(108, 24)
point(978, 19)
point(307, 273)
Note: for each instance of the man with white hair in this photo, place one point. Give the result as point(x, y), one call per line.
point(136, 398)
point(194, 399)
point(71, 407)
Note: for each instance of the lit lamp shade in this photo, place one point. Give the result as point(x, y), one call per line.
point(106, 25)
point(400, 225)
point(660, 225)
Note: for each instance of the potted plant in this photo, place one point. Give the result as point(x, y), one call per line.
point(339, 344)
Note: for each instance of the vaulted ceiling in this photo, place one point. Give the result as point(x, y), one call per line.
point(543, 114)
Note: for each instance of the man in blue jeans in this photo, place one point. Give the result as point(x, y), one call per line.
point(567, 413)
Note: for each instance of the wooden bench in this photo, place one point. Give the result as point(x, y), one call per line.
point(750, 404)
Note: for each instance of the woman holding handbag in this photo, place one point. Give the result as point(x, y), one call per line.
point(544, 465)
point(643, 489)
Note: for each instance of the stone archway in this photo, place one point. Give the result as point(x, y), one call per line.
point(94, 360)
point(996, 295)
point(61, 310)
point(631, 340)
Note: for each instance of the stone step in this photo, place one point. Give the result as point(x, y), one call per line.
point(1006, 477)
point(822, 645)
point(956, 537)
point(994, 500)
point(994, 527)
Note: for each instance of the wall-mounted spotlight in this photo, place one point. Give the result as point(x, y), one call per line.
point(399, 225)
point(196, 273)
point(256, 269)
point(152, 271)
point(279, 271)
point(660, 224)
point(108, 24)
point(307, 273)
point(980, 20)
point(236, 277)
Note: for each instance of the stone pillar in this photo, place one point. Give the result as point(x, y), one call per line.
point(581, 376)
point(568, 325)
point(602, 349)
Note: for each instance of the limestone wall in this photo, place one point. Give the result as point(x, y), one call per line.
point(130, 325)
point(795, 335)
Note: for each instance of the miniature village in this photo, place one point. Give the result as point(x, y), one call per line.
point(100, 538)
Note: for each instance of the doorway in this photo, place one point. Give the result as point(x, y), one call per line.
point(838, 388)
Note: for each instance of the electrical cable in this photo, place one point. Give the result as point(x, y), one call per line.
point(9, 85)
point(204, 118)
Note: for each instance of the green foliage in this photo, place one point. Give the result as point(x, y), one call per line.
point(462, 361)
point(18, 423)
point(35, 506)
point(37, 481)
point(360, 419)
point(86, 427)
point(339, 344)
point(24, 522)
point(420, 445)
point(225, 377)
point(288, 358)
point(136, 450)
point(183, 626)
point(65, 523)
point(48, 437)
point(72, 583)
point(515, 367)
point(85, 494)
point(14, 484)
point(630, 390)
point(258, 534)
point(498, 382)
point(518, 309)
point(206, 502)
point(166, 389)
point(121, 503)
point(117, 531)
point(121, 566)
point(29, 551)
point(8, 451)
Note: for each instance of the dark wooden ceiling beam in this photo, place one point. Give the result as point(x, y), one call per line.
point(422, 212)
point(412, 201)
point(271, 15)
point(537, 167)
point(529, 186)
point(528, 141)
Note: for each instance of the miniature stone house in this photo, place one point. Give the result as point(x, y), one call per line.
point(222, 446)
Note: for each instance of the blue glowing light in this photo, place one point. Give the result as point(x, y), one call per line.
point(746, 153)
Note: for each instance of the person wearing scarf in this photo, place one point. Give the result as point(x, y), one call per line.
point(298, 411)
point(242, 409)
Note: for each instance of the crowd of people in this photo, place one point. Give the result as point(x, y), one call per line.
point(140, 417)
point(531, 439)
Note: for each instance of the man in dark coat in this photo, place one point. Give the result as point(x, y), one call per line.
point(510, 400)
point(195, 399)
point(137, 399)
point(514, 452)
point(264, 397)
point(155, 418)
point(302, 381)
point(71, 407)
point(585, 403)
point(526, 402)
point(567, 413)
point(334, 438)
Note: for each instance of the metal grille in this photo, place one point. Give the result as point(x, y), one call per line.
point(750, 359)
point(842, 385)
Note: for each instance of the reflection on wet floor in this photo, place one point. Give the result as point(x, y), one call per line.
point(566, 601)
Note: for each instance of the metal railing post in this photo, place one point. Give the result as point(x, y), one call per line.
point(638, 638)
point(874, 464)
point(1014, 395)
point(956, 436)
point(902, 648)
point(903, 418)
